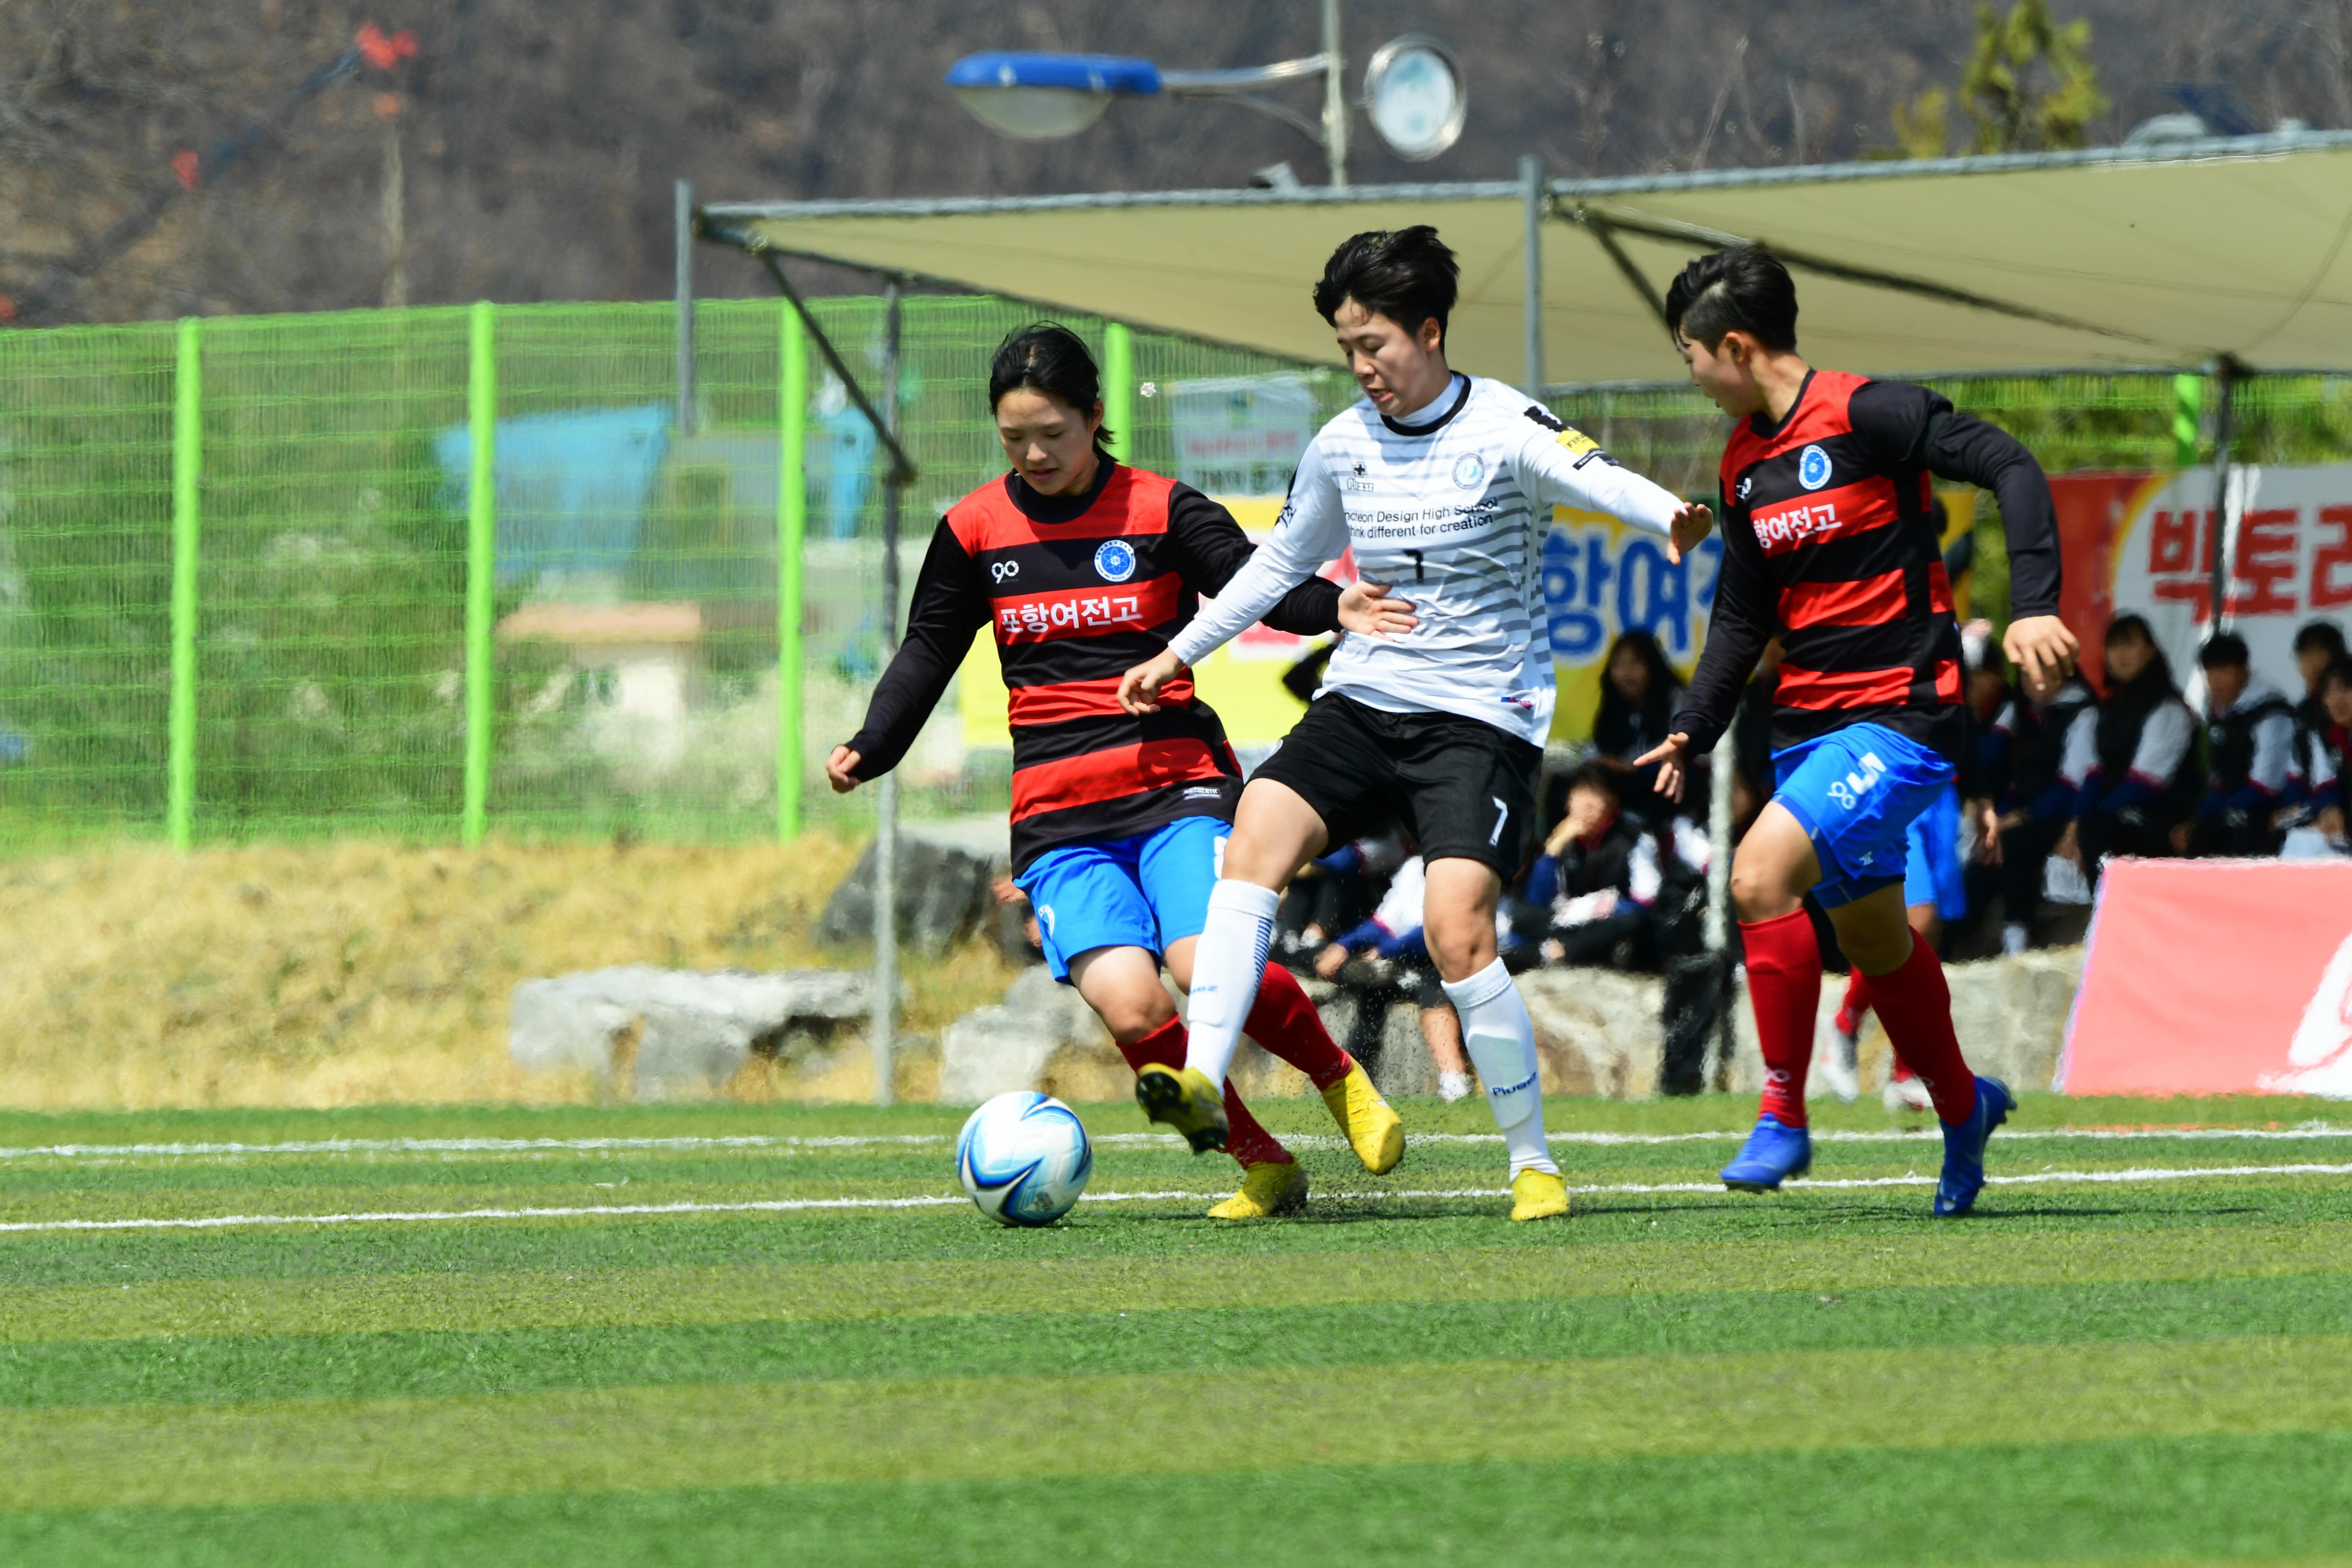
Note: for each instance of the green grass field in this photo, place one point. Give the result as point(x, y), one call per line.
point(780, 1335)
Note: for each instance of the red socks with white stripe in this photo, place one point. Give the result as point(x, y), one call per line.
point(1285, 1022)
point(1245, 1141)
point(1915, 1005)
point(1784, 985)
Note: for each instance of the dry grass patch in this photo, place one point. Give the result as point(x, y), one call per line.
point(362, 972)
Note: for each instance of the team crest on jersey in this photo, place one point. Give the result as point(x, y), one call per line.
point(1470, 472)
point(1114, 559)
point(1812, 468)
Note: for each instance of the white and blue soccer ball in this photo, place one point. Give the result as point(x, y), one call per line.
point(1024, 1158)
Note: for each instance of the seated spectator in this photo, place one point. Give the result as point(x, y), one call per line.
point(1751, 740)
point(2320, 754)
point(2249, 757)
point(2142, 782)
point(1334, 893)
point(1386, 959)
point(2318, 647)
point(2050, 748)
point(1638, 694)
point(1598, 893)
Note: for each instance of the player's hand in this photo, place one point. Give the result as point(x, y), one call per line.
point(1688, 531)
point(1367, 609)
point(2043, 649)
point(841, 770)
point(1138, 689)
point(1673, 757)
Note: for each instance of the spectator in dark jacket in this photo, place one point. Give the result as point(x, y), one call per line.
point(2249, 757)
point(2143, 779)
point(1639, 695)
point(1598, 893)
point(2318, 647)
point(2050, 747)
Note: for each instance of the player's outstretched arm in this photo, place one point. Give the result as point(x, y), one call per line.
point(1565, 466)
point(1736, 631)
point(949, 605)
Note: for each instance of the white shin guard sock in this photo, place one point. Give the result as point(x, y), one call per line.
point(1501, 1040)
point(1227, 963)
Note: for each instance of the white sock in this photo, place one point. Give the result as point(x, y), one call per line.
point(1501, 1040)
point(1227, 964)
point(1453, 1086)
point(2012, 939)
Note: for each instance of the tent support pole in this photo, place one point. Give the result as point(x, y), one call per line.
point(1531, 176)
point(2227, 373)
point(792, 526)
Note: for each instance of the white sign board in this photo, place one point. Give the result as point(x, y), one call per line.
point(1241, 435)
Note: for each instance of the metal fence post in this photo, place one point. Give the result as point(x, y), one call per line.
point(1118, 389)
point(187, 470)
point(792, 526)
point(481, 563)
point(886, 834)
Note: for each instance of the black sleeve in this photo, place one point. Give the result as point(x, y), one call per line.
point(1211, 547)
point(1913, 428)
point(1738, 626)
point(949, 606)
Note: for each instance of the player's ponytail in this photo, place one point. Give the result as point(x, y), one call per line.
point(1047, 357)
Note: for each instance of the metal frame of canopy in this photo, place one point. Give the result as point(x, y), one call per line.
point(1608, 212)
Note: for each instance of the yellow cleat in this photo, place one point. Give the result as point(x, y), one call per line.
point(1537, 1194)
point(1374, 1131)
point(1268, 1189)
point(1185, 1101)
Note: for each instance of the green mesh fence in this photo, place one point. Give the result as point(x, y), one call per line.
point(633, 647)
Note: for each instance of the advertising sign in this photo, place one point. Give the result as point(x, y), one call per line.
point(2266, 1006)
point(1241, 435)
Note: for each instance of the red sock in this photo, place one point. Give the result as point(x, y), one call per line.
point(1246, 1140)
point(1784, 984)
point(1286, 1024)
point(1855, 1006)
point(1915, 1005)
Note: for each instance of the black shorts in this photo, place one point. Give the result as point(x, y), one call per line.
point(1462, 788)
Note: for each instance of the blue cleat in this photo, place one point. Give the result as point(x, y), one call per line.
point(1964, 1147)
point(1773, 1154)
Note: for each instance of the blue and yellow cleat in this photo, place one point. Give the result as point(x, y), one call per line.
point(1773, 1154)
point(1964, 1147)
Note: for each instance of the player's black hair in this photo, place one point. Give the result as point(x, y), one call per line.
point(1743, 287)
point(1047, 357)
point(1406, 274)
point(2321, 635)
point(2223, 650)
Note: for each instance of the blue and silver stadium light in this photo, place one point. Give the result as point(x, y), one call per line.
point(1413, 92)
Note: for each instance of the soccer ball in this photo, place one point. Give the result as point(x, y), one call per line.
point(1024, 1158)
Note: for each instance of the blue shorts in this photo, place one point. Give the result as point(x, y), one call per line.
point(1856, 790)
point(1146, 892)
point(1932, 873)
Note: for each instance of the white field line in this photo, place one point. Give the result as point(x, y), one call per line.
point(904, 1139)
point(934, 1200)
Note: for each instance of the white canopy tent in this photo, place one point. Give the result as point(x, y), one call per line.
point(2228, 250)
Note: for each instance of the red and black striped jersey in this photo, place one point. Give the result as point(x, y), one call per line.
point(1830, 541)
point(1077, 591)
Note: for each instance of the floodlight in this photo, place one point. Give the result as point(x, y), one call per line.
point(1413, 92)
point(1037, 97)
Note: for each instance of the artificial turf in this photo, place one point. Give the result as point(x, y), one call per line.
point(2113, 1361)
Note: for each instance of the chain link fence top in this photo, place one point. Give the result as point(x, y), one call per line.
point(635, 647)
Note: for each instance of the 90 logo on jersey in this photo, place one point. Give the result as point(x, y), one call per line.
point(1000, 570)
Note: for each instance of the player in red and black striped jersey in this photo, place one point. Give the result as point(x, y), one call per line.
point(1083, 567)
point(1829, 543)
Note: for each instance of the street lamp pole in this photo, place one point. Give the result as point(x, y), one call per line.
point(1335, 97)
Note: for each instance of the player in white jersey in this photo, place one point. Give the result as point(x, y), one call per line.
point(1443, 485)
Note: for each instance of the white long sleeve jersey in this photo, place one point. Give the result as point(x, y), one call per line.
point(1452, 511)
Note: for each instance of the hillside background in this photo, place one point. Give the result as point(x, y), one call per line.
point(536, 141)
